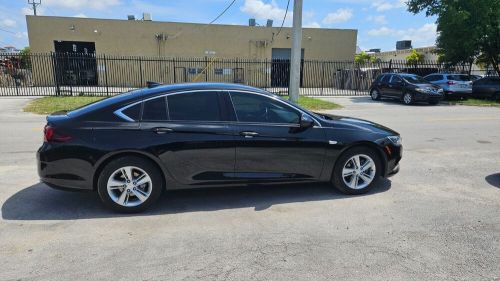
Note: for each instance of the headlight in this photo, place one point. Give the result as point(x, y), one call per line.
point(422, 90)
point(440, 91)
point(396, 140)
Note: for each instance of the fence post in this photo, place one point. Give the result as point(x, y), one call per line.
point(173, 64)
point(56, 79)
point(140, 70)
point(390, 65)
point(322, 77)
point(106, 74)
point(206, 69)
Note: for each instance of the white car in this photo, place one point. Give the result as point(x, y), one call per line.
point(454, 85)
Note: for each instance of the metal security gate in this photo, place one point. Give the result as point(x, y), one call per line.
point(102, 75)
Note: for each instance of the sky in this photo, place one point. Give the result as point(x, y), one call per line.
point(380, 23)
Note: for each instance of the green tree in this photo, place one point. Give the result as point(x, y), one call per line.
point(414, 58)
point(24, 55)
point(363, 58)
point(467, 29)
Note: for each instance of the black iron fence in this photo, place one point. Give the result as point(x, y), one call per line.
point(90, 74)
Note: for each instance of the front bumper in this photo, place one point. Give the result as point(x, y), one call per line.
point(428, 97)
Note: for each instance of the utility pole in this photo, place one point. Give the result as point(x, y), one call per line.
point(34, 3)
point(294, 87)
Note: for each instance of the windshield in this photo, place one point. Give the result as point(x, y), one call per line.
point(414, 79)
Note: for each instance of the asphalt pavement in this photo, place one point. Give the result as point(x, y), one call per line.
point(438, 219)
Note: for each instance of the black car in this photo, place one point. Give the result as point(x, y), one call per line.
point(487, 87)
point(132, 146)
point(408, 88)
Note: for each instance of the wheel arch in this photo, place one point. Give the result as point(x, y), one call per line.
point(99, 166)
point(368, 144)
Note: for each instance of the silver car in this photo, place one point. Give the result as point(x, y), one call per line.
point(454, 85)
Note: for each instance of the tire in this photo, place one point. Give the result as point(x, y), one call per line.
point(407, 98)
point(124, 193)
point(375, 94)
point(433, 102)
point(495, 96)
point(345, 183)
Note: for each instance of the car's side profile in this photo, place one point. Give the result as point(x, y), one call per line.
point(487, 87)
point(408, 88)
point(454, 85)
point(131, 147)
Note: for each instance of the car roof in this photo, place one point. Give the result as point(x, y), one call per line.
point(143, 93)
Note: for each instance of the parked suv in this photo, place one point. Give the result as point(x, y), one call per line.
point(408, 88)
point(454, 85)
point(487, 87)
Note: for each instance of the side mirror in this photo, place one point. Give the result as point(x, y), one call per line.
point(306, 121)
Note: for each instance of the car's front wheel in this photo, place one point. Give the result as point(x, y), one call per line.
point(129, 184)
point(357, 170)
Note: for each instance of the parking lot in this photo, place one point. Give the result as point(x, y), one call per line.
point(438, 219)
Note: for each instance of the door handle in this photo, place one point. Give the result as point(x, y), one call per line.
point(162, 130)
point(247, 134)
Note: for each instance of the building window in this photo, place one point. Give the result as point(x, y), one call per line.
point(218, 71)
point(193, 70)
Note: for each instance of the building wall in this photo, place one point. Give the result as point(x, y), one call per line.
point(401, 55)
point(182, 40)
point(137, 38)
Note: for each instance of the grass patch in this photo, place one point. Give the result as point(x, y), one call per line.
point(477, 102)
point(317, 104)
point(48, 105)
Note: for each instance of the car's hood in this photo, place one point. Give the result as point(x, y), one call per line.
point(426, 85)
point(337, 121)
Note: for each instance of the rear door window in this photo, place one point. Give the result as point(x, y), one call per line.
point(457, 77)
point(195, 106)
point(155, 110)
point(133, 112)
point(386, 78)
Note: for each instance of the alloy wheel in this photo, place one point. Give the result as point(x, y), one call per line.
point(407, 98)
point(374, 94)
point(359, 171)
point(129, 186)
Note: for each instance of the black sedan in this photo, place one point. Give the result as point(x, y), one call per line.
point(408, 88)
point(487, 87)
point(131, 147)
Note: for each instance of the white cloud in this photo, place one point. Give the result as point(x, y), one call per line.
point(82, 4)
point(7, 23)
point(80, 15)
point(341, 15)
point(421, 36)
point(312, 25)
point(377, 19)
point(21, 35)
point(27, 11)
point(260, 10)
point(385, 5)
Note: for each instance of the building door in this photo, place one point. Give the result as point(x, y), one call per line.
point(280, 67)
point(179, 75)
point(75, 63)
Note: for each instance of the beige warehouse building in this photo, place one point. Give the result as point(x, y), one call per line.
point(158, 40)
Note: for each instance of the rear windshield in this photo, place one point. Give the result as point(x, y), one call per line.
point(458, 77)
point(414, 79)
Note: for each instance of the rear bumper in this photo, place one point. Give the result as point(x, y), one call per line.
point(67, 174)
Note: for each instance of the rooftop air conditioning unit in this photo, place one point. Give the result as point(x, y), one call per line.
point(251, 22)
point(269, 23)
point(403, 45)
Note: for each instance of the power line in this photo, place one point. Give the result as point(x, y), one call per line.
point(284, 18)
point(8, 31)
point(227, 8)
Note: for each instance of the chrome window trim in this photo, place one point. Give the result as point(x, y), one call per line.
point(119, 112)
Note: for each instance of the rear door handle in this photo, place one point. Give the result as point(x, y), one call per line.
point(247, 134)
point(162, 130)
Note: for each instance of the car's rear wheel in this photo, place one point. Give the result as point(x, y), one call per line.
point(375, 94)
point(357, 170)
point(129, 184)
point(407, 98)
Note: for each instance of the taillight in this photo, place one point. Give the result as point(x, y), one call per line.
point(451, 83)
point(50, 135)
